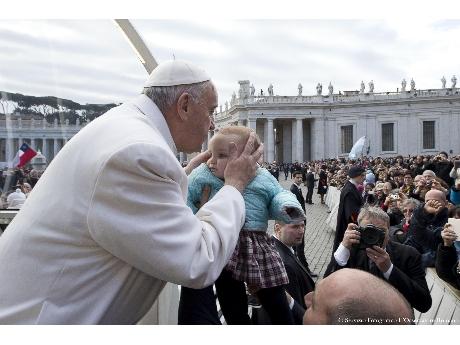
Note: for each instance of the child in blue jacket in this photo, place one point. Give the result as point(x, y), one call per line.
point(255, 260)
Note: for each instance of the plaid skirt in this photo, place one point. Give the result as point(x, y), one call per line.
point(256, 261)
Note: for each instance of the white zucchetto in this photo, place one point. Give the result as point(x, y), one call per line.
point(176, 72)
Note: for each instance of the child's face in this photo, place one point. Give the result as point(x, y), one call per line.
point(220, 152)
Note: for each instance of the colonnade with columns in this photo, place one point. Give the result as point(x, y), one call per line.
point(285, 140)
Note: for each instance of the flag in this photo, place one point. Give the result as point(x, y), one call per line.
point(24, 155)
point(357, 148)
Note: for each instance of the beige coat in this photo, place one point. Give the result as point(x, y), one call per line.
point(107, 225)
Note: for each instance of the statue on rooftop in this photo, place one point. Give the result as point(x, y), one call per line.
point(270, 90)
point(412, 84)
point(319, 89)
point(253, 90)
point(361, 90)
point(443, 81)
point(371, 86)
point(403, 85)
point(454, 81)
point(331, 88)
point(300, 88)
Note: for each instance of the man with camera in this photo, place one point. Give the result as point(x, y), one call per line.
point(367, 246)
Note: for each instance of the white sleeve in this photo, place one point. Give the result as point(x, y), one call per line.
point(138, 214)
point(387, 273)
point(342, 254)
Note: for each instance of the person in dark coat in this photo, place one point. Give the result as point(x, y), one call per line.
point(398, 264)
point(285, 238)
point(447, 264)
point(310, 182)
point(350, 203)
point(322, 183)
point(297, 191)
point(442, 167)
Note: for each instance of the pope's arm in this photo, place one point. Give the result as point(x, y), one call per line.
point(138, 214)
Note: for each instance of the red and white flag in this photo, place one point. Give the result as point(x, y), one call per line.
point(24, 155)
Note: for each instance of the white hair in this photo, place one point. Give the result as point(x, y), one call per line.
point(429, 172)
point(165, 96)
point(373, 212)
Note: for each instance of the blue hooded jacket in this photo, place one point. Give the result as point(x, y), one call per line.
point(264, 198)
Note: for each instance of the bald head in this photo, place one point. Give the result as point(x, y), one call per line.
point(351, 296)
point(434, 194)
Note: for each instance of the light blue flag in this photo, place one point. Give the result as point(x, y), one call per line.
point(357, 148)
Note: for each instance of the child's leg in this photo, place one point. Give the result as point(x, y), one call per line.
point(233, 300)
point(274, 301)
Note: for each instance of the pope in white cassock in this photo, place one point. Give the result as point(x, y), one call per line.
point(107, 224)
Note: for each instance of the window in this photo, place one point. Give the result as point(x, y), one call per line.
point(346, 138)
point(428, 135)
point(388, 137)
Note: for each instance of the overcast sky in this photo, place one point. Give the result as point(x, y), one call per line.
point(90, 61)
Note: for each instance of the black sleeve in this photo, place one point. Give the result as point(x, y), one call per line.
point(411, 282)
point(446, 265)
point(297, 313)
point(293, 288)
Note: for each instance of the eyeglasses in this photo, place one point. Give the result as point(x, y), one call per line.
point(408, 210)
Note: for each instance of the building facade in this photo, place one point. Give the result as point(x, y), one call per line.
point(38, 134)
point(304, 128)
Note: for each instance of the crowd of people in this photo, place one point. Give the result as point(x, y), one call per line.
point(418, 194)
point(16, 185)
point(132, 218)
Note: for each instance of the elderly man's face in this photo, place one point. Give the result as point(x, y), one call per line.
point(428, 178)
point(201, 119)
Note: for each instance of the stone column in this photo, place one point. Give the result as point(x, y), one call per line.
point(45, 149)
point(294, 140)
point(32, 144)
point(252, 124)
point(270, 141)
point(299, 135)
point(9, 150)
point(55, 147)
point(240, 122)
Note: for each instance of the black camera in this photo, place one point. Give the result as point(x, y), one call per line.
point(370, 236)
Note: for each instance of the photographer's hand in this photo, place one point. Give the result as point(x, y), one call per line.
point(431, 206)
point(448, 235)
point(380, 257)
point(351, 236)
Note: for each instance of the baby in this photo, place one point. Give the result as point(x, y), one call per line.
point(255, 259)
